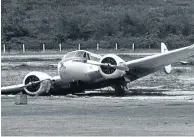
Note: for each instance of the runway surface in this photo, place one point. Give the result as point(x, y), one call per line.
point(98, 115)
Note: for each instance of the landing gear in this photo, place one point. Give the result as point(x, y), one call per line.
point(121, 87)
point(120, 90)
point(76, 87)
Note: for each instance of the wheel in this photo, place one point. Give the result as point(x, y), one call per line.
point(120, 90)
point(75, 88)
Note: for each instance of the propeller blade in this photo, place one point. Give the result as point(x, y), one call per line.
point(33, 83)
point(120, 67)
point(108, 65)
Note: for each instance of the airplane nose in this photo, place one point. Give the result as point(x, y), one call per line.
point(60, 66)
point(65, 72)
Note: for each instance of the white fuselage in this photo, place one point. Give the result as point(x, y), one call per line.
point(73, 70)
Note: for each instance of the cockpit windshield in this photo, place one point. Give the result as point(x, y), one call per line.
point(81, 54)
point(69, 55)
point(75, 54)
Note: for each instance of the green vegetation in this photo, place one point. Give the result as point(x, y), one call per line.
point(143, 22)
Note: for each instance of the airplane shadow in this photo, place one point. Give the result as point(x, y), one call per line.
point(130, 93)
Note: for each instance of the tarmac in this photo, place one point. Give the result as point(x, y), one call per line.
point(99, 116)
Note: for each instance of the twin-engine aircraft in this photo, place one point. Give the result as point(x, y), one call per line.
point(82, 70)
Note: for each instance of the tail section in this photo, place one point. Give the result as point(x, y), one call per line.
point(165, 50)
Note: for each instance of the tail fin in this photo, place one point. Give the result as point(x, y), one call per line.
point(165, 50)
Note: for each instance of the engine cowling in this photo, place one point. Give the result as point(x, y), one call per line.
point(37, 89)
point(111, 72)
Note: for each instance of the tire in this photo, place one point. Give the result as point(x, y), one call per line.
point(75, 88)
point(119, 90)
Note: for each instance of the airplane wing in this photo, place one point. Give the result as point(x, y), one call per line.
point(144, 66)
point(18, 88)
point(14, 89)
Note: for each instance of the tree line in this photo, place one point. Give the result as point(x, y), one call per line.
point(70, 22)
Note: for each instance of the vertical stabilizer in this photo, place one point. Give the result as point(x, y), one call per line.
point(165, 50)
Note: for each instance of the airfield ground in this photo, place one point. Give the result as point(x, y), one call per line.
point(169, 113)
point(139, 115)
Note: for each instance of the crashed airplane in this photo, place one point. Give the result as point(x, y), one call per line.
point(82, 70)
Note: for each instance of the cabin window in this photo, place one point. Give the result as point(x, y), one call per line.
point(94, 58)
point(87, 56)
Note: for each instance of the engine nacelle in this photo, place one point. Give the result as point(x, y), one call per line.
point(40, 88)
point(110, 72)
